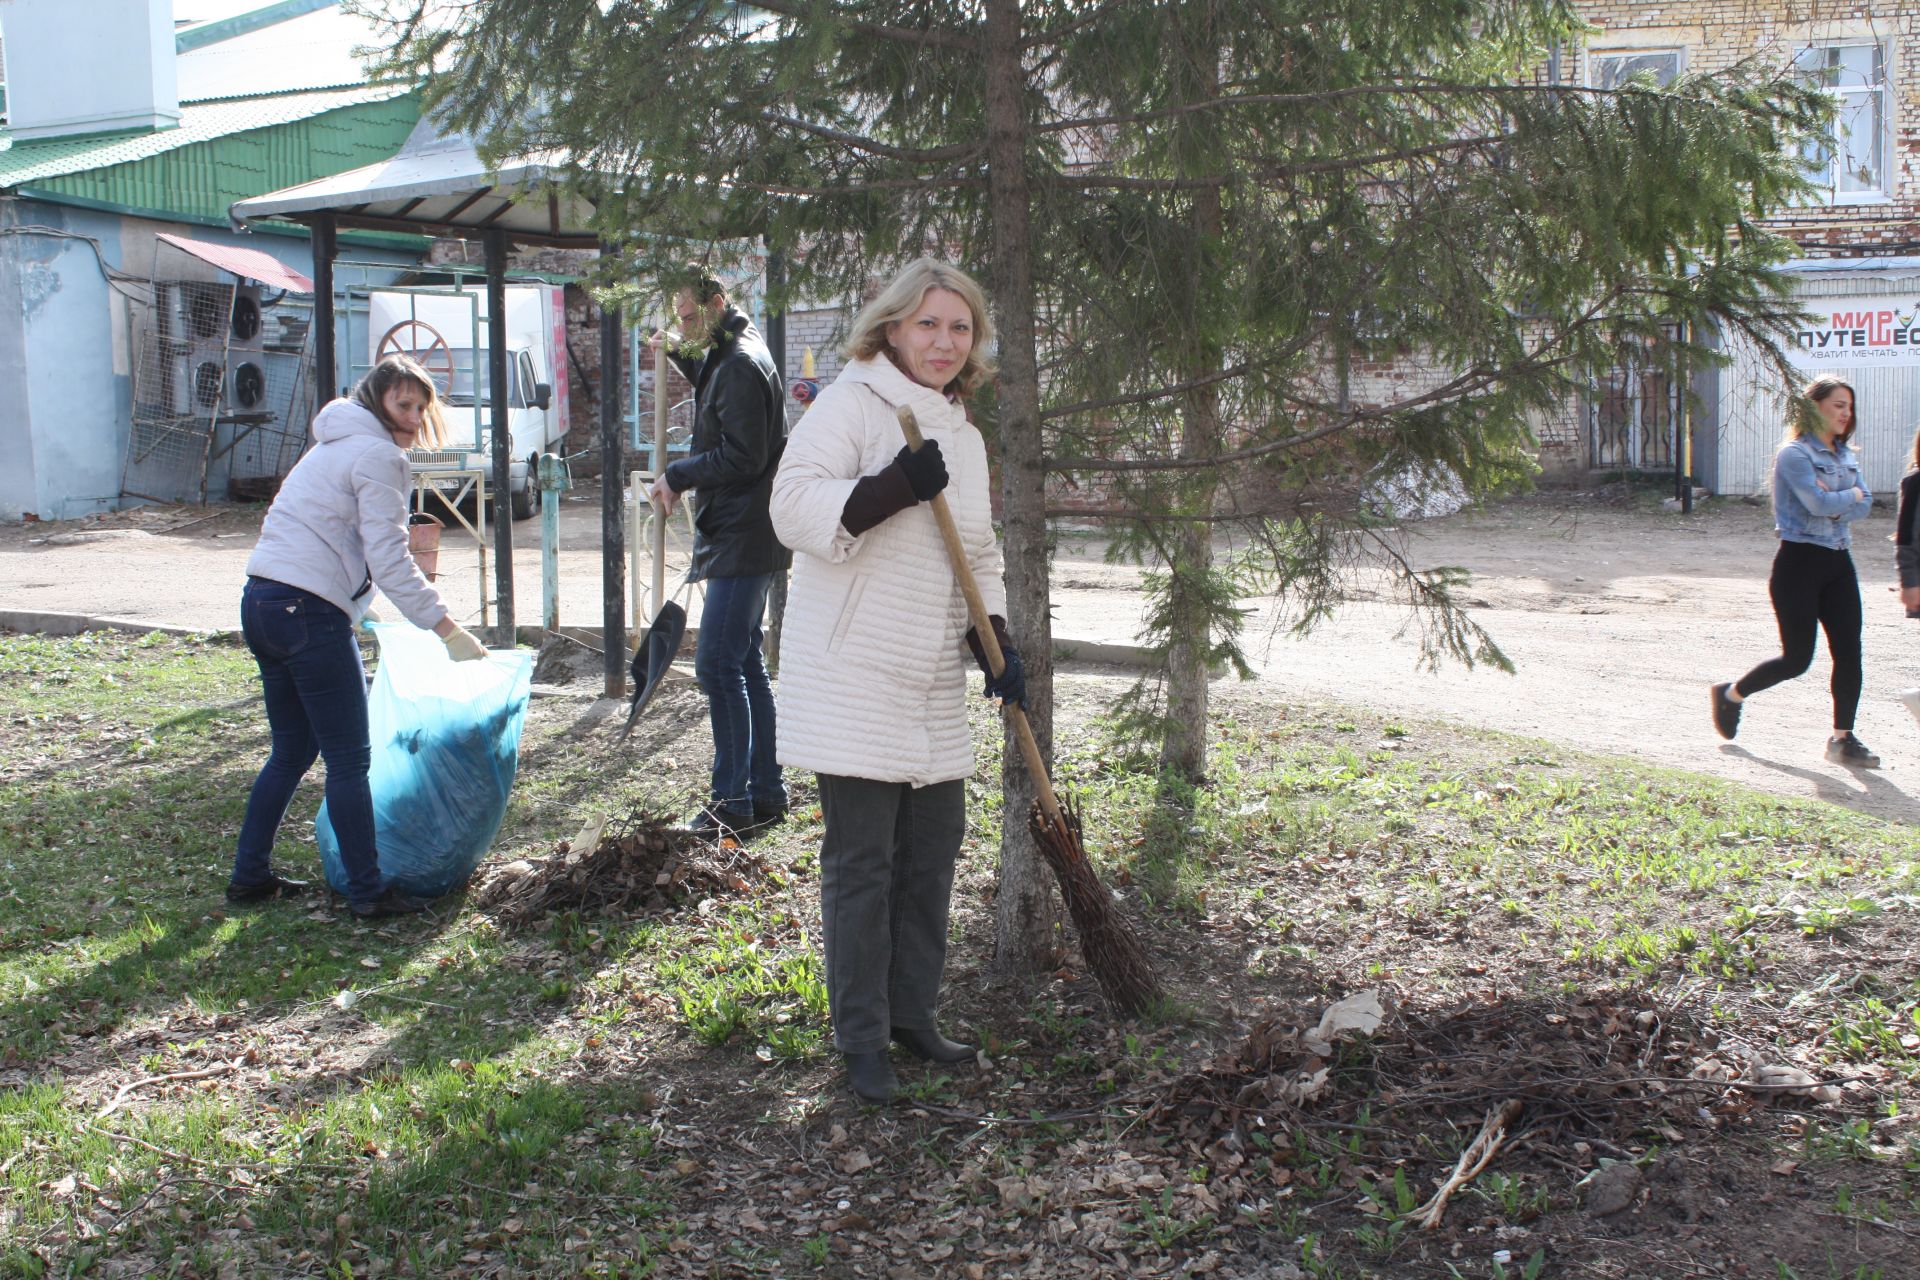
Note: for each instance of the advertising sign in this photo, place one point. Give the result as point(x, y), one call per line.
point(1860, 333)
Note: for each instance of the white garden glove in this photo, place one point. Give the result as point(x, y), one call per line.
point(462, 647)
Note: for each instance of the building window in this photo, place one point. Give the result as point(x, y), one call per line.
point(1615, 69)
point(1851, 163)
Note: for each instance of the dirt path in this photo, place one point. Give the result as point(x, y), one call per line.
point(1617, 620)
point(1617, 617)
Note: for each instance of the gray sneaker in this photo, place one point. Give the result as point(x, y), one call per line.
point(1844, 748)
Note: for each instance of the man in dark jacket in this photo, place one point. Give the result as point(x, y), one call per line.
point(739, 431)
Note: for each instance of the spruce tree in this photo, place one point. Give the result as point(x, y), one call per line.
point(1192, 218)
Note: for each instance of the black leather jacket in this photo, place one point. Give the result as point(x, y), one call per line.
point(739, 433)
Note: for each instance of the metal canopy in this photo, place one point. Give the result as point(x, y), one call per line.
point(438, 185)
point(248, 264)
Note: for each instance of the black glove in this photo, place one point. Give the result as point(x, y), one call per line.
point(925, 469)
point(911, 478)
point(1011, 684)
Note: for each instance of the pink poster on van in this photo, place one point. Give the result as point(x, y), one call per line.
point(557, 316)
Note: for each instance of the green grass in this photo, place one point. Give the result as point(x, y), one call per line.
point(548, 1103)
point(118, 805)
point(744, 980)
point(1625, 868)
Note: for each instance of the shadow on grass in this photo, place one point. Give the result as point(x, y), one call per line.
point(1875, 796)
point(147, 900)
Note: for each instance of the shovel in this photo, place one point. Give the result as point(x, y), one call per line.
point(653, 656)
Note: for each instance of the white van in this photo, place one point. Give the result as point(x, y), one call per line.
point(446, 332)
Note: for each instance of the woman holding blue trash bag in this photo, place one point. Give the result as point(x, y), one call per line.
point(873, 668)
point(337, 529)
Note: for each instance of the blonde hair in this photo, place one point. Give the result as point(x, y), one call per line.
point(901, 298)
point(1803, 415)
point(397, 370)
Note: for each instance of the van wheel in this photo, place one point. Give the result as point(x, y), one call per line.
point(526, 499)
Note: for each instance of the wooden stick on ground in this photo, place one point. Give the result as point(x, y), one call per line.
point(128, 1089)
point(1472, 1161)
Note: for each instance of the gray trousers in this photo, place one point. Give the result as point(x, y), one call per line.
point(886, 874)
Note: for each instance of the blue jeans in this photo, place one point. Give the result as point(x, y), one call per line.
point(727, 662)
point(316, 692)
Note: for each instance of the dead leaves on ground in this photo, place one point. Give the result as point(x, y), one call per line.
point(636, 863)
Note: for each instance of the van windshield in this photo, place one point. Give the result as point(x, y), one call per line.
point(459, 389)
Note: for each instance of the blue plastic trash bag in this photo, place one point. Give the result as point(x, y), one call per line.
point(446, 744)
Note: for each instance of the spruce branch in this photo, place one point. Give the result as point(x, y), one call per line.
point(927, 37)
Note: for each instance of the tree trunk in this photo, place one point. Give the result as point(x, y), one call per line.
point(1183, 745)
point(1026, 914)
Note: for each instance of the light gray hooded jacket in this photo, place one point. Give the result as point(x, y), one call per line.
point(339, 525)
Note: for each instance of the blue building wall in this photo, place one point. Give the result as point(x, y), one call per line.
point(66, 357)
point(16, 440)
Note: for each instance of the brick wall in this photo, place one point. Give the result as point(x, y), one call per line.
point(1715, 34)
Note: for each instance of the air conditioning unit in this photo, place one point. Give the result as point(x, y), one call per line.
point(211, 381)
point(246, 387)
point(246, 321)
point(216, 314)
point(191, 311)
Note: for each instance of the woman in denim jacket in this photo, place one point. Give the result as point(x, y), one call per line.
point(1817, 495)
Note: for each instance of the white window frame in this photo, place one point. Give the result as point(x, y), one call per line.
point(1595, 57)
point(1826, 190)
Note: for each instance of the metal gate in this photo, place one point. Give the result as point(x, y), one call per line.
point(1630, 417)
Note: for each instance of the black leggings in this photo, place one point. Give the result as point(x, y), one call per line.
point(1813, 587)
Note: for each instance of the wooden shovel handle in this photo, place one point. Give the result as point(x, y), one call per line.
point(983, 627)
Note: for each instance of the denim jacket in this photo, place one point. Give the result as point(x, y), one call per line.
point(1812, 493)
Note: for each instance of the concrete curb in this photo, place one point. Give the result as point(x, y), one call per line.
point(72, 624)
point(1096, 652)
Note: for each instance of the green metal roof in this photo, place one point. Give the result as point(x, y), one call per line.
point(22, 163)
point(200, 177)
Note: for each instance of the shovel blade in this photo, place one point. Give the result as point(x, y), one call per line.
point(652, 658)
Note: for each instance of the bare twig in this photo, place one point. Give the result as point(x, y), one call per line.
point(1492, 1133)
point(127, 1090)
point(127, 1215)
point(1881, 1223)
point(128, 1138)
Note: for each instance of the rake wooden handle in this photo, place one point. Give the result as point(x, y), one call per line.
point(983, 627)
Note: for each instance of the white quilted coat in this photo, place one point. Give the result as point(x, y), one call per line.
point(873, 658)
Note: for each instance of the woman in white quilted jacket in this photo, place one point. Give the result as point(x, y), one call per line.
point(874, 652)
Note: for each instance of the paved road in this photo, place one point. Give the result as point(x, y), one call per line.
point(1617, 620)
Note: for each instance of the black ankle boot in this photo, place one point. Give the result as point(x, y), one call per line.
point(931, 1046)
point(871, 1076)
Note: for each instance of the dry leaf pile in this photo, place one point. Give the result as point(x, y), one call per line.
point(1549, 1081)
point(639, 862)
